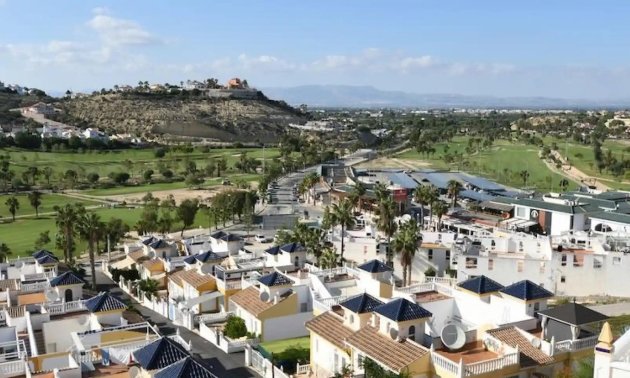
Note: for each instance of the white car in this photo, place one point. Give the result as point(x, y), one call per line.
point(262, 239)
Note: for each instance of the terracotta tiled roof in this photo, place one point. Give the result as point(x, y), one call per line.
point(248, 299)
point(530, 355)
point(155, 265)
point(330, 327)
point(34, 298)
point(192, 277)
point(136, 255)
point(391, 353)
point(11, 284)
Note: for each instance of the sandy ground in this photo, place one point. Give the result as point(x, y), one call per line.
point(178, 194)
point(393, 163)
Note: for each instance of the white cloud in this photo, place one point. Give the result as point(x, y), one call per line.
point(119, 32)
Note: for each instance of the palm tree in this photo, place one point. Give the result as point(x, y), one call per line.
point(440, 208)
point(328, 258)
point(342, 215)
point(405, 243)
point(381, 192)
point(90, 228)
point(359, 191)
point(564, 184)
point(524, 176)
point(35, 198)
point(66, 219)
point(5, 251)
point(425, 195)
point(149, 287)
point(14, 205)
point(386, 222)
point(453, 188)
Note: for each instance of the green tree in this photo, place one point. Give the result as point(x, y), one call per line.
point(440, 208)
point(386, 222)
point(147, 174)
point(186, 213)
point(221, 165)
point(149, 287)
point(235, 327)
point(47, 172)
point(405, 244)
point(35, 198)
point(328, 258)
point(524, 176)
point(342, 215)
point(90, 228)
point(14, 205)
point(115, 230)
point(42, 239)
point(5, 251)
point(453, 188)
point(66, 221)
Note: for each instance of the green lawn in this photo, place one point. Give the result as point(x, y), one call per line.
point(48, 202)
point(168, 186)
point(21, 234)
point(502, 163)
point(133, 161)
point(619, 323)
point(281, 345)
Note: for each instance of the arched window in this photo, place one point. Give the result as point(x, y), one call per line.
point(412, 333)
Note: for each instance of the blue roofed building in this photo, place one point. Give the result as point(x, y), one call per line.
point(68, 286)
point(288, 255)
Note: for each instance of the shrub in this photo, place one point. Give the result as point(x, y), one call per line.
point(430, 272)
point(235, 327)
point(159, 152)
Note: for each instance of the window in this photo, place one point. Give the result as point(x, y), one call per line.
point(519, 266)
point(490, 264)
point(563, 279)
point(563, 261)
point(448, 255)
point(430, 254)
point(521, 212)
point(471, 262)
point(351, 318)
point(412, 333)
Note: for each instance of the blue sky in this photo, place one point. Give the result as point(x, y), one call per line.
point(570, 49)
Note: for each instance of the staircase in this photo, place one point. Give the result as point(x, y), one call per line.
point(39, 341)
point(27, 344)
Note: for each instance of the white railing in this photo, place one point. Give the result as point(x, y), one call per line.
point(65, 307)
point(35, 286)
point(213, 318)
point(444, 363)
point(574, 345)
point(19, 353)
point(330, 272)
point(229, 285)
point(442, 280)
point(327, 303)
point(31, 335)
point(303, 369)
point(50, 274)
point(484, 367)
point(417, 288)
point(12, 368)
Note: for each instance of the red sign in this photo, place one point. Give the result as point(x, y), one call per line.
point(400, 195)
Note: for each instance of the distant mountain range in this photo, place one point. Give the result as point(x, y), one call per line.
point(370, 97)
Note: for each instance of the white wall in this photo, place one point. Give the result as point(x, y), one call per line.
point(286, 327)
point(326, 356)
point(56, 333)
point(7, 334)
point(77, 292)
point(109, 318)
point(560, 222)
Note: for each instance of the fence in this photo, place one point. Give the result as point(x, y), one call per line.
point(489, 366)
point(213, 318)
point(13, 368)
point(217, 338)
point(262, 365)
point(573, 345)
point(65, 307)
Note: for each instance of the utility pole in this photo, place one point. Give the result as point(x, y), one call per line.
point(109, 251)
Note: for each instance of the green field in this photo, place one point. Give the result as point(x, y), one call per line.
point(48, 202)
point(501, 162)
point(281, 345)
point(133, 161)
point(21, 234)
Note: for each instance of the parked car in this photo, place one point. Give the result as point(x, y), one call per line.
point(262, 239)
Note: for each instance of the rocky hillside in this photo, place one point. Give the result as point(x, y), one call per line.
point(223, 119)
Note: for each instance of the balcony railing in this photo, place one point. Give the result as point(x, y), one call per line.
point(574, 345)
point(213, 318)
point(12, 368)
point(229, 285)
point(65, 307)
point(489, 366)
point(35, 286)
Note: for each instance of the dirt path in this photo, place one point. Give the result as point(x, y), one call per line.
point(575, 174)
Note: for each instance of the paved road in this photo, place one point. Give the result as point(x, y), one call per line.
point(223, 365)
point(613, 309)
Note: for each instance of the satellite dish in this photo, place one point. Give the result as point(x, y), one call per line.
point(393, 333)
point(134, 372)
point(536, 343)
point(52, 296)
point(406, 218)
point(264, 296)
point(19, 264)
point(453, 336)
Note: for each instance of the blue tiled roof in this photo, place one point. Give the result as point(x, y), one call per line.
point(218, 234)
point(361, 303)
point(149, 240)
point(292, 247)
point(47, 259)
point(401, 309)
point(41, 253)
point(274, 279)
point(158, 243)
point(202, 257)
point(104, 302)
point(190, 259)
point(480, 285)
point(527, 290)
point(67, 278)
point(225, 236)
point(273, 250)
point(184, 369)
point(374, 266)
point(160, 354)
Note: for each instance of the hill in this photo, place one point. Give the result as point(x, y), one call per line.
point(252, 118)
point(367, 96)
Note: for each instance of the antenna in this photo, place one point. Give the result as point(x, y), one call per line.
point(453, 336)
